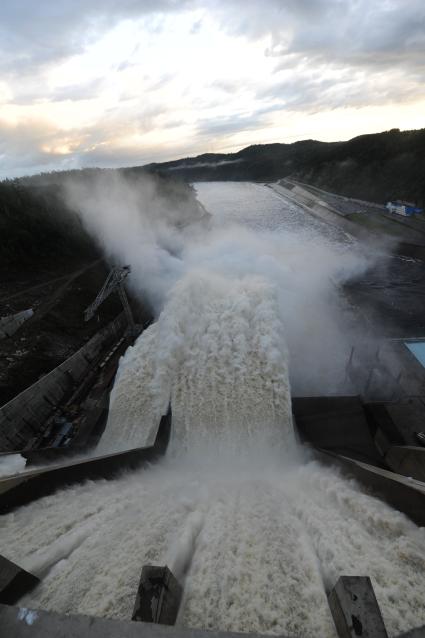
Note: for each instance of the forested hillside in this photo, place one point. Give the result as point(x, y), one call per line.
point(376, 167)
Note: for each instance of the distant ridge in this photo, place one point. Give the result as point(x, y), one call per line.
point(376, 167)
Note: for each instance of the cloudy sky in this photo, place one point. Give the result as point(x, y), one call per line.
point(126, 82)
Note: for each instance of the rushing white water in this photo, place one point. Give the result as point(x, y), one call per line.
point(256, 532)
point(11, 464)
point(262, 541)
point(217, 352)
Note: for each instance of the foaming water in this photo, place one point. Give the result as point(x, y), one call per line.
point(256, 541)
point(257, 533)
point(218, 353)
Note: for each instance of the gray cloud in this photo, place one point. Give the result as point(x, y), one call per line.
point(364, 33)
point(326, 54)
point(354, 53)
point(384, 39)
point(357, 31)
point(229, 125)
point(333, 31)
point(21, 148)
point(35, 146)
point(76, 92)
point(36, 32)
point(311, 94)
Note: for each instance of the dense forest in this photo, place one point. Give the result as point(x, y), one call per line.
point(378, 167)
point(37, 227)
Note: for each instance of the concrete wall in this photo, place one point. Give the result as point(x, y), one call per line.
point(408, 460)
point(10, 324)
point(389, 373)
point(20, 622)
point(32, 484)
point(410, 241)
point(337, 424)
point(320, 209)
point(394, 354)
point(23, 417)
point(405, 495)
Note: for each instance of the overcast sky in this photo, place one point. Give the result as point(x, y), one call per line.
point(126, 82)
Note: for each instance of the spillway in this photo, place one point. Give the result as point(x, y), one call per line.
point(257, 531)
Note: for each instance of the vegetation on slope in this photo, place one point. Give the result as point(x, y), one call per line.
point(374, 167)
point(37, 228)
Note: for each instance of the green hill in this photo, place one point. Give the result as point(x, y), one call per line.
point(375, 167)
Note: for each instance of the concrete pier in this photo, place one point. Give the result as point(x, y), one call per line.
point(14, 582)
point(158, 596)
point(355, 609)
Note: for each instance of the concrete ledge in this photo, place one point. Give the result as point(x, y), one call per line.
point(407, 460)
point(14, 582)
point(19, 622)
point(407, 496)
point(33, 484)
point(355, 609)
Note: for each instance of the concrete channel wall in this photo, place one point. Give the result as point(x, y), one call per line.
point(410, 241)
point(10, 324)
point(21, 622)
point(319, 208)
point(29, 485)
point(404, 494)
point(23, 417)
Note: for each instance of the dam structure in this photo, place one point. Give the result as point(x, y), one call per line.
point(237, 451)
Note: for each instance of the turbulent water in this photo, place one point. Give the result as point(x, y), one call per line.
point(218, 354)
point(256, 531)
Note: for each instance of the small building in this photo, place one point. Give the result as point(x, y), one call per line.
point(403, 208)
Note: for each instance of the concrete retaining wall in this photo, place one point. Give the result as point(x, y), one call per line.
point(405, 495)
point(23, 417)
point(409, 241)
point(408, 460)
point(10, 324)
point(20, 622)
point(320, 209)
point(29, 485)
point(395, 355)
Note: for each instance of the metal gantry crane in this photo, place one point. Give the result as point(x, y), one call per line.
point(114, 282)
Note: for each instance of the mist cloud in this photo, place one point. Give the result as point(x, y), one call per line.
point(166, 243)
